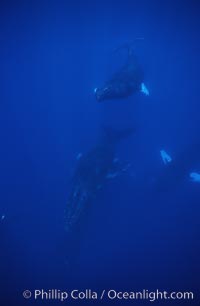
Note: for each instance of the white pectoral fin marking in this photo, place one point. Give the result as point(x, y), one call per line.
point(195, 177)
point(144, 89)
point(165, 157)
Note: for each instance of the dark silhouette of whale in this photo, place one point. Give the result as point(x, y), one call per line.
point(92, 171)
point(128, 80)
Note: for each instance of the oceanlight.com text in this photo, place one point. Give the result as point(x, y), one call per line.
point(111, 294)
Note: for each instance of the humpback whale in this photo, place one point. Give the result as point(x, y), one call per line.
point(128, 80)
point(92, 171)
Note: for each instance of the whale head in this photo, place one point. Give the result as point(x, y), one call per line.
point(103, 93)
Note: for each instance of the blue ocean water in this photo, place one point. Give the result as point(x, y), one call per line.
point(142, 231)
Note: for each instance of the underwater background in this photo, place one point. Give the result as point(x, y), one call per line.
point(52, 57)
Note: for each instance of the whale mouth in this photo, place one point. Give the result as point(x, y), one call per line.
point(101, 93)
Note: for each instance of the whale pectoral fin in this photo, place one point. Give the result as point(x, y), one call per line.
point(195, 177)
point(144, 89)
point(118, 169)
point(165, 157)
